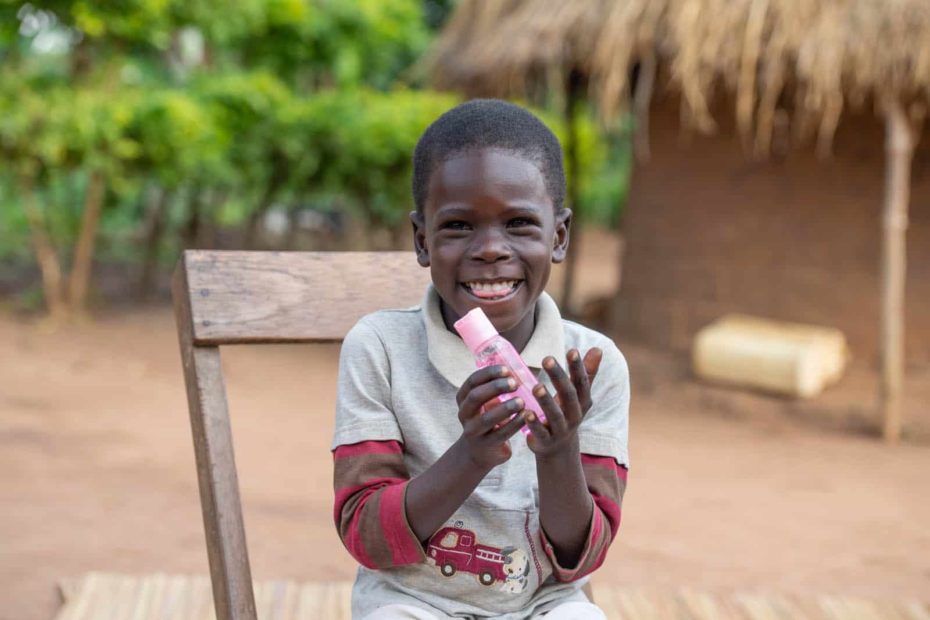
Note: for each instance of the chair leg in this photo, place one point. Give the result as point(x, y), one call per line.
point(230, 573)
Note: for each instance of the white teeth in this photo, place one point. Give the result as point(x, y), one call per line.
point(492, 287)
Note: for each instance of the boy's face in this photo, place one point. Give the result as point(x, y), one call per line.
point(489, 235)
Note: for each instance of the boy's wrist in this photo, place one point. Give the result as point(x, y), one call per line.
point(567, 454)
point(468, 463)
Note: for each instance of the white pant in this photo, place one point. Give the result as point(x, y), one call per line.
point(574, 610)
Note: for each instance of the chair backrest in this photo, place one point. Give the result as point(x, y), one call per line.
point(222, 298)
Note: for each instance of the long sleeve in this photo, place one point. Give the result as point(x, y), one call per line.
point(370, 480)
point(606, 481)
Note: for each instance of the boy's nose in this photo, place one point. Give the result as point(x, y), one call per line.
point(490, 246)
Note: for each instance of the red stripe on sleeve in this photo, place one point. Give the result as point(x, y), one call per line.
point(622, 472)
point(353, 537)
point(595, 537)
point(611, 510)
point(605, 461)
point(344, 494)
point(597, 526)
point(370, 482)
point(601, 556)
point(365, 448)
point(405, 548)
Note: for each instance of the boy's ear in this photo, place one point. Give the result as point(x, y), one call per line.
point(419, 238)
point(563, 224)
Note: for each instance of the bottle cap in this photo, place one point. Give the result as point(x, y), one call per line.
point(475, 329)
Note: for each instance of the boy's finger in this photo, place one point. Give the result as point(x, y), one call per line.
point(500, 414)
point(508, 430)
point(480, 377)
point(485, 392)
point(554, 417)
point(540, 431)
point(592, 362)
point(579, 378)
point(568, 397)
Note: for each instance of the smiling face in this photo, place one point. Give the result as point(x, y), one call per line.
point(489, 235)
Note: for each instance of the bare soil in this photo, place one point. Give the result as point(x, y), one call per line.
point(728, 491)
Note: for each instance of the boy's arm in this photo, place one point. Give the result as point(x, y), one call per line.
point(576, 541)
point(580, 494)
point(435, 495)
point(370, 480)
point(438, 492)
point(383, 516)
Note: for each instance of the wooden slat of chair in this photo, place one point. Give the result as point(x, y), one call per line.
point(263, 297)
point(222, 298)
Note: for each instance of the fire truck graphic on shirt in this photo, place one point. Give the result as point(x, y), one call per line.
point(455, 549)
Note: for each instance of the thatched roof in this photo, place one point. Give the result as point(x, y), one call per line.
point(806, 58)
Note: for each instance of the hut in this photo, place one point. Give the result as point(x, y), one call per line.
point(777, 148)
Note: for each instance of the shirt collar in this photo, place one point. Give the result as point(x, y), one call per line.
point(455, 362)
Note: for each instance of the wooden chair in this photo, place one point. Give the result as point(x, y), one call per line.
point(223, 298)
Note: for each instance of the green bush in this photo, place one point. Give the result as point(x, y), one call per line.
point(291, 103)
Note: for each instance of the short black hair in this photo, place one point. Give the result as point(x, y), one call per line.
point(488, 123)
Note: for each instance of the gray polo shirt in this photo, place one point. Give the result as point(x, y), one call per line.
point(398, 377)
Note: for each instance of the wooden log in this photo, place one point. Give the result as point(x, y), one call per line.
point(784, 358)
point(899, 151)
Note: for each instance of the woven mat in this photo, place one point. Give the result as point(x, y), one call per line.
point(108, 596)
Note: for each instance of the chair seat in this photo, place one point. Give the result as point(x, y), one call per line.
point(183, 597)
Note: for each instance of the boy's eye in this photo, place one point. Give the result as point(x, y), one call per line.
point(520, 222)
point(455, 225)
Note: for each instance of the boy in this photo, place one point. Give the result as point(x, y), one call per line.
point(448, 509)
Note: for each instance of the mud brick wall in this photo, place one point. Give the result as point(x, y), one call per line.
point(709, 231)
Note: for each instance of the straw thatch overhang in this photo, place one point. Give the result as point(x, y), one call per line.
point(800, 62)
point(813, 58)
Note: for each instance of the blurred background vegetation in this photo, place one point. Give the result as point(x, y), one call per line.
point(132, 129)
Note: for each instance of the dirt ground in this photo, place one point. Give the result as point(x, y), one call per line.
point(728, 491)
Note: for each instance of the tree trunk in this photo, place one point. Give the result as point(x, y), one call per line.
point(292, 237)
point(208, 231)
point(275, 183)
point(155, 230)
point(80, 60)
point(82, 264)
point(899, 150)
point(46, 257)
point(255, 220)
point(573, 94)
point(194, 225)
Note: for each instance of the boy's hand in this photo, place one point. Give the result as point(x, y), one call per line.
point(564, 412)
point(485, 432)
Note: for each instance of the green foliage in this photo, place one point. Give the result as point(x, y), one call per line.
point(364, 141)
point(606, 184)
point(120, 21)
point(179, 139)
point(301, 103)
point(603, 165)
point(337, 43)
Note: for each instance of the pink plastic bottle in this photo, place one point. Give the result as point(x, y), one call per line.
point(491, 348)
